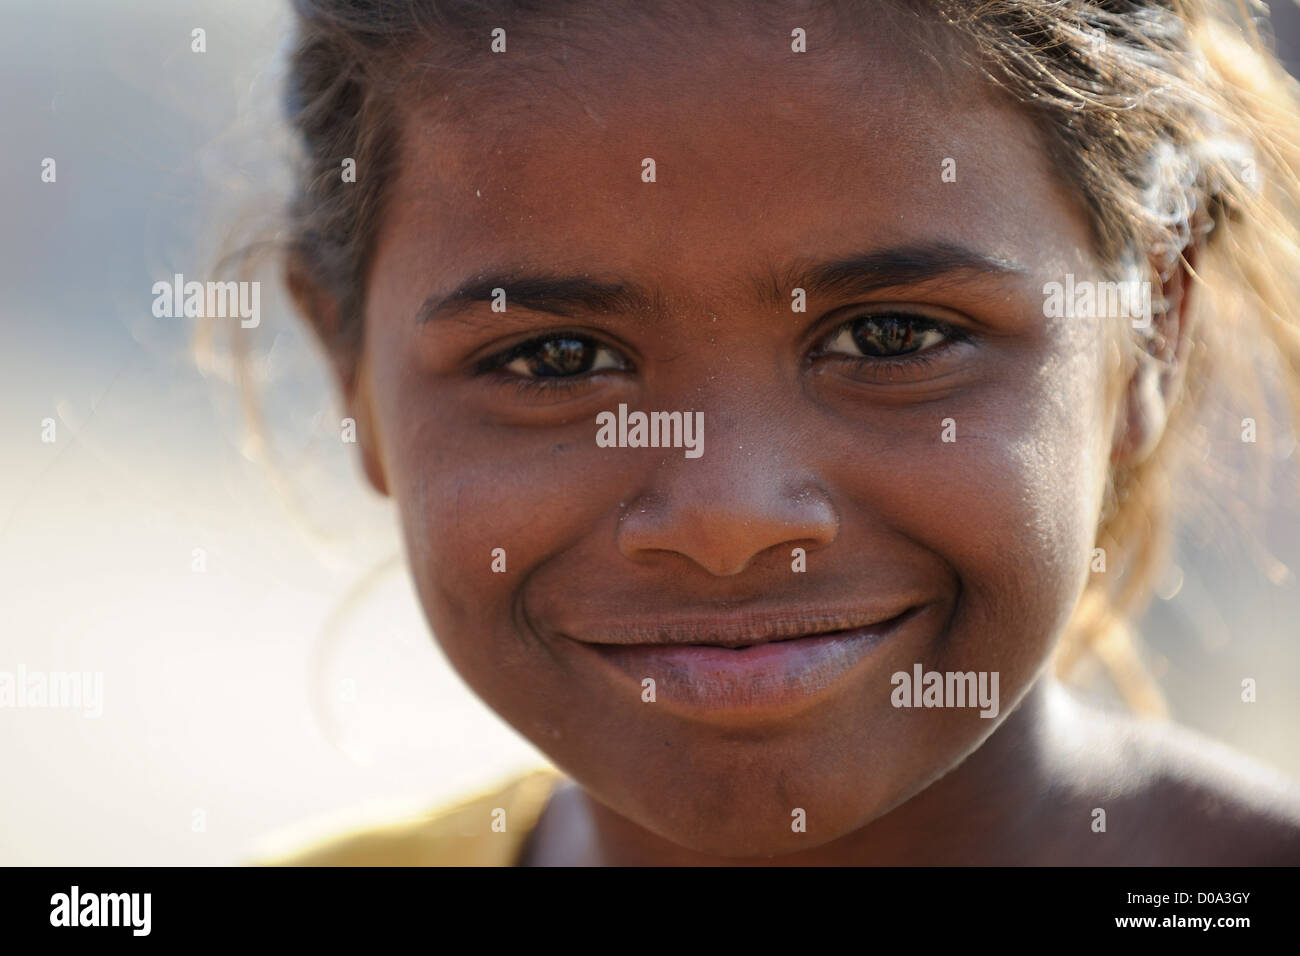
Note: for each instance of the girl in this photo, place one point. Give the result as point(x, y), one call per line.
point(942, 287)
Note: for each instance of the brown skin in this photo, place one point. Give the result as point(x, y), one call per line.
point(763, 163)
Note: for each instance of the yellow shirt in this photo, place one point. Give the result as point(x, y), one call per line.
point(469, 832)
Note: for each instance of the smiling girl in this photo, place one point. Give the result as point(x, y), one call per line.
point(829, 231)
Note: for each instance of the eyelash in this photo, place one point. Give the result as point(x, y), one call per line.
point(557, 387)
point(867, 366)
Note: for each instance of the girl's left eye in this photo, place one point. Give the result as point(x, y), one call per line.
point(889, 336)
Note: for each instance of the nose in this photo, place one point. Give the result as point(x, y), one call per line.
point(723, 510)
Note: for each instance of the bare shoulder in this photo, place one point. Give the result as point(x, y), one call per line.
point(1170, 795)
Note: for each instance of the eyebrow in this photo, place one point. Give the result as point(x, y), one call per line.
point(853, 275)
point(863, 274)
point(559, 295)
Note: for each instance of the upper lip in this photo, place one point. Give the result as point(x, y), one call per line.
point(738, 630)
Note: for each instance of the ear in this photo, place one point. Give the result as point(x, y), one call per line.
point(360, 401)
point(321, 309)
point(1157, 375)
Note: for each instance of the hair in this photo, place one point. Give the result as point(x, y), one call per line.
point(1172, 120)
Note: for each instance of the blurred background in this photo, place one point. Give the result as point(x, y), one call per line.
point(265, 662)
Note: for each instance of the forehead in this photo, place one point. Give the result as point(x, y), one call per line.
point(761, 155)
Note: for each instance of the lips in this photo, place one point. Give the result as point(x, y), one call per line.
point(737, 631)
point(746, 669)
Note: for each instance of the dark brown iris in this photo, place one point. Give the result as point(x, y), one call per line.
point(884, 336)
point(561, 356)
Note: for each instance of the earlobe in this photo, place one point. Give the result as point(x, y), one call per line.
point(1144, 417)
point(359, 403)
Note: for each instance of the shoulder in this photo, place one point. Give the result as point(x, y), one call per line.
point(486, 828)
point(1173, 796)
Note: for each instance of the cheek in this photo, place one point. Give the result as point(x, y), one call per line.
point(1011, 506)
point(482, 507)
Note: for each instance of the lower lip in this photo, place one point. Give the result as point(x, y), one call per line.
point(774, 679)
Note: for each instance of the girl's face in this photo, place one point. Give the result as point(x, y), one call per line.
point(945, 498)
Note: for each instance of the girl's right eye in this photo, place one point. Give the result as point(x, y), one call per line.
point(563, 355)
